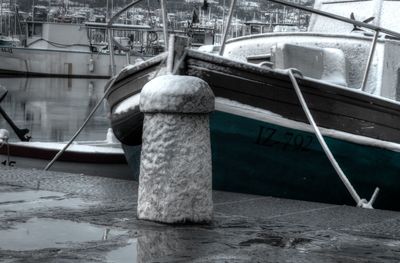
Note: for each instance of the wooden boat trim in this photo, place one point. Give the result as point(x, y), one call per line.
point(121, 88)
point(355, 112)
point(311, 94)
point(131, 69)
point(279, 74)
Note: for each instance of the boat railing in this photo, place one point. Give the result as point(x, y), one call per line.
point(360, 24)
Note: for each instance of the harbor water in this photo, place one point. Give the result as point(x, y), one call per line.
point(53, 109)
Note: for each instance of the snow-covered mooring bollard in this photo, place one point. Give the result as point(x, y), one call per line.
point(175, 170)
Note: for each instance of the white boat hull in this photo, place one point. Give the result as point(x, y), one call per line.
point(80, 159)
point(58, 63)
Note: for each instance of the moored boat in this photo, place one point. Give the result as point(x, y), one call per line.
point(262, 142)
point(74, 50)
point(7, 41)
point(99, 158)
point(95, 157)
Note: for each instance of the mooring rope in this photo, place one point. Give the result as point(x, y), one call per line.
point(81, 128)
point(360, 202)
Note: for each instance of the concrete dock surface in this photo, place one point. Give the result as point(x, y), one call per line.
point(59, 217)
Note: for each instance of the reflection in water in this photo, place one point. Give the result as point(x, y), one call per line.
point(127, 253)
point(54, 108)
point(158, 246)
point(174, 244)
point(40, 233)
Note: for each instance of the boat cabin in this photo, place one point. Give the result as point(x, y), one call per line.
point(92, 37)
point(58, 36)
point(201, 36)
point(257, 27)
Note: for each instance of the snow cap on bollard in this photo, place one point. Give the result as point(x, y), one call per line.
point(175, 181)
point(176, 94)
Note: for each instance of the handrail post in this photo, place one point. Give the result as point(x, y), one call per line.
point(369, 61)
point(165, 22)
point(226, 29)
point(111, 50)
point(1, 16)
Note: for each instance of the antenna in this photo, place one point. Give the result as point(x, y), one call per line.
point(1, 16)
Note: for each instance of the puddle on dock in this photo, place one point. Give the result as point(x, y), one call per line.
point(40, 233)
point(27, 196)
point(124, 254)
point(25, 200)
point(276, 241)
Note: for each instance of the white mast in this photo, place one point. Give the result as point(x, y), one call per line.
point(33, 15)
point(15, 18)
point(9, 24)
point(48, 12)
point(1, 16)
point(107, 12)
point(223, 16)
point(377, 12)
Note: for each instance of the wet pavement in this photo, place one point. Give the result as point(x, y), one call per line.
point(56, 217)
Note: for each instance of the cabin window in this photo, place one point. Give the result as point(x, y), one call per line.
point(255, 30)
point(34, 29)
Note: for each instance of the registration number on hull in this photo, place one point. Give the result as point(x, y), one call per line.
point(285, 140)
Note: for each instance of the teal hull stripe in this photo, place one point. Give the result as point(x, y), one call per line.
point(252, 156)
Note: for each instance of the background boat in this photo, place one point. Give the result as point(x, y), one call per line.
point(53, 109)
point(99, 158)
point(70, 50)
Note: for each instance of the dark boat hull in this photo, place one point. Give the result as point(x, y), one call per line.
point(128, 125)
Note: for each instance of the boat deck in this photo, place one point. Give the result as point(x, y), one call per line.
point(58, 217)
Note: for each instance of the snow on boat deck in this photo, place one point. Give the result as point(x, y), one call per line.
point(93, 219)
